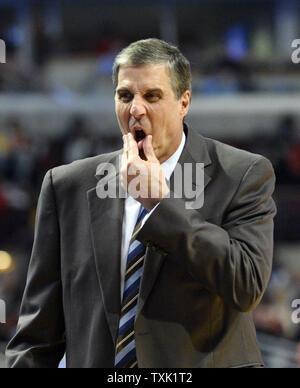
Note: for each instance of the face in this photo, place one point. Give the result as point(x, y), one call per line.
point(145, 103)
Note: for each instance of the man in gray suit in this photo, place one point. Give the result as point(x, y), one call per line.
point(197, 272)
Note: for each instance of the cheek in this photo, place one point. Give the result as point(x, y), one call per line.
point(121, 113)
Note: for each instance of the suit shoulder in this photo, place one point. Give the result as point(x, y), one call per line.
point(234, 161)
point(82, 171)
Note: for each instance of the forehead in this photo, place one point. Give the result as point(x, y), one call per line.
point(144, 76)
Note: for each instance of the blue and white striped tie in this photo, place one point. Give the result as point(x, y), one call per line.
point(125, 349)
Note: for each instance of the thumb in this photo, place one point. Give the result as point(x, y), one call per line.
point(148, 149)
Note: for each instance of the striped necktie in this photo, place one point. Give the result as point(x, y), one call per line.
point(125, 349)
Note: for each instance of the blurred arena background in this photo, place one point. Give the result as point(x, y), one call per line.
point(56, 105)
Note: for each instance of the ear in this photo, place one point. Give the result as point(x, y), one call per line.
point(185, 101)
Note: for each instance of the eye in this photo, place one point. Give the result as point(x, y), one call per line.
point(152, 97)
point(125, 96)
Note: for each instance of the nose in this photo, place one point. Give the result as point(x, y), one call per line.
point(137, 109)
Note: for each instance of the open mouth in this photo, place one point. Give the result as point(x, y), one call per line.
point(139, 135)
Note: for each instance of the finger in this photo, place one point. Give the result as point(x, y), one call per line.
point(125, 143)
point(124, 165)
point(148, 149)
point(124, 158)
point(132, 147)
point(140, 144)
point(124, 154)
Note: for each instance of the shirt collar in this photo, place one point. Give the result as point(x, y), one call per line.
point(169, 165)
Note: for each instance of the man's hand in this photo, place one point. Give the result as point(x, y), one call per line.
point(142, 177)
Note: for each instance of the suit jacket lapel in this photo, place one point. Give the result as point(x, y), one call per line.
point(195, 151)
point(106, 217)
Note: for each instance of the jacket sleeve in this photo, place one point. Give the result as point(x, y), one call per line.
point(39, 340)
point(233, 261)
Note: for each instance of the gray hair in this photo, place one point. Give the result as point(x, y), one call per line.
point(156, 52)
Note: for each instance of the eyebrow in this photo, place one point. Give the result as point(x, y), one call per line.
point(123, 90)
point(153, 90)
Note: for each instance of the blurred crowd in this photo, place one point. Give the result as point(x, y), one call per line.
point(282, 148)
point(228, 55)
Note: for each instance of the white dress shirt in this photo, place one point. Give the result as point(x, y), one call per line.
point(132, 209)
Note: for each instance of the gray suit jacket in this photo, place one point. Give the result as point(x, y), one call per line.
point(205, 270)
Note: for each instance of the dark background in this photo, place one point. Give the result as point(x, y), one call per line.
point(56, 106)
